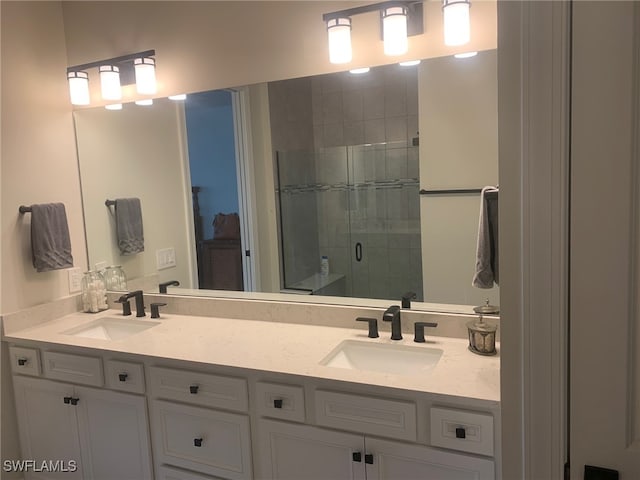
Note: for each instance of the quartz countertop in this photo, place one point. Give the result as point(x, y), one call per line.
point(285, 348)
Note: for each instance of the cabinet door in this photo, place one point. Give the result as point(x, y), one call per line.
point(401, 461)
point(114, 435)
point(47, 426)
point(302, 452)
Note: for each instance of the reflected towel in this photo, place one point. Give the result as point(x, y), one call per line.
point(129, 226)
point(50, 241)
point(487, 260)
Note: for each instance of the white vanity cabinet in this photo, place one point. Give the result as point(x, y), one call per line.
point(104, 432)
point(304, 452)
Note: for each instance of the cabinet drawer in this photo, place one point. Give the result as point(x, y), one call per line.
point(73, 368)
point(280, 401)
point(376, 416)
point(25, 361)
point(200, 388)
point(461, 430)
point(207, 441)
point(170, 473)
point(125, 376)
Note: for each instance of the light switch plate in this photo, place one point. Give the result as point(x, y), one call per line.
point(75, 280)
point(165, 258)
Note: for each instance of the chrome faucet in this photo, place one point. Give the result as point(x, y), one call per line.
point(124, 299)
point(392, 314)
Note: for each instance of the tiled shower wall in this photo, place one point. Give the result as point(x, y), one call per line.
point(366, 193)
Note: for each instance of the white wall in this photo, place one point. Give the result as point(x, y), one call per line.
point(458, 150)
point(38, 163)
point(116, 158)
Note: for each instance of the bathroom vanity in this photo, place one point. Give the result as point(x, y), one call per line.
point(201, 397)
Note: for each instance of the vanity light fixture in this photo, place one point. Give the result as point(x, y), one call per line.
point(339, 32)
point(359, 71)
point(110, 82)
point(399, 19)
point(145, 68)
point(114, 72)
point(394, 30)
point(78, 87)
point(466, 55)
point(145, 102)
point(180, 96)
point(457, 24)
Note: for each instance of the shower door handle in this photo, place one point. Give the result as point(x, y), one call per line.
point(358, 252)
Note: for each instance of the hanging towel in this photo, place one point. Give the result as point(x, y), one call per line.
point(50, 241)
point(487, 260)
point(129, 226)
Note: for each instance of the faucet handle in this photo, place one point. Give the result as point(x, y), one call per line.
point(373, 326)
point(155, 309)
point(419, 330)
point(126, 306)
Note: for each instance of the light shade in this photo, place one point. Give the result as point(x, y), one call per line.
point(78, 88)
point(394, 30)
point(145, 75)
point(114, 106)
point(339, 31)
point(178, 97)
point(145, 102)
point(457, 25)
point(110, 82)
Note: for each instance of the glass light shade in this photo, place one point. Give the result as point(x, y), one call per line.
point(145, 103)
point(78, 88)
point(410, 63)
point(114, 106)
point(466, 55)
point(359, 71)
point(394, 31)
point(145, 75)
point(339, 31)
point(457, 25)
point(180, 96)
point(110, 82)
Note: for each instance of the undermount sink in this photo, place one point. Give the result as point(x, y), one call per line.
point(383, 357)
point(110, 328)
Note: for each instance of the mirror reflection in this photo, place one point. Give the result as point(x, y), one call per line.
point(319, 195)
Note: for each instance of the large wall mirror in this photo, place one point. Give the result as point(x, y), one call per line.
point(333, 166)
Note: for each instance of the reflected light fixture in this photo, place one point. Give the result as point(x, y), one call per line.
point(466, 55)
point(359, 71)
point(145, 68)
point(110, 82)
point(114, 106)
point(79, 87)
point(409, 63)
point(339, 32)
point(457, 24)
point(180, 96)
point(145, 102)
point(394, 28)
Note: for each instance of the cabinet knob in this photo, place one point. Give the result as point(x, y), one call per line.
point(123, 377)
point(368, 458)
point(193, 389)
point(197, 442)
point(461, 432)
point(22, 361)
point(357, 456)
point(277, 403)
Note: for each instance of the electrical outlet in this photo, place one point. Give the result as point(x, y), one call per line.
point(75, 280)
point(165, 258)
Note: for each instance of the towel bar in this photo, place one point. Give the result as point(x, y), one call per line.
point(24, 209)
point(109, 203)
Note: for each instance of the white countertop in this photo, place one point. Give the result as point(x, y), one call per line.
point(280, 347)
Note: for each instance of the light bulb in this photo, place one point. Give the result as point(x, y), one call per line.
point(394, 28)
point(78, 88)
point(339, 31)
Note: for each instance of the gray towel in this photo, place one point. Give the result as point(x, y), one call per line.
point(129, 226)
point(50, 241)
point(487, 259)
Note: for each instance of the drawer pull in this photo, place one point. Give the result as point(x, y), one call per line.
point(197, 442)
point(123, 377)
point(277, 403)
point(368, 458)
point(357, 456)
point(67, 400)
point(461, 432)
point(22, 361)
point(193, 389)
point(74, 401)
